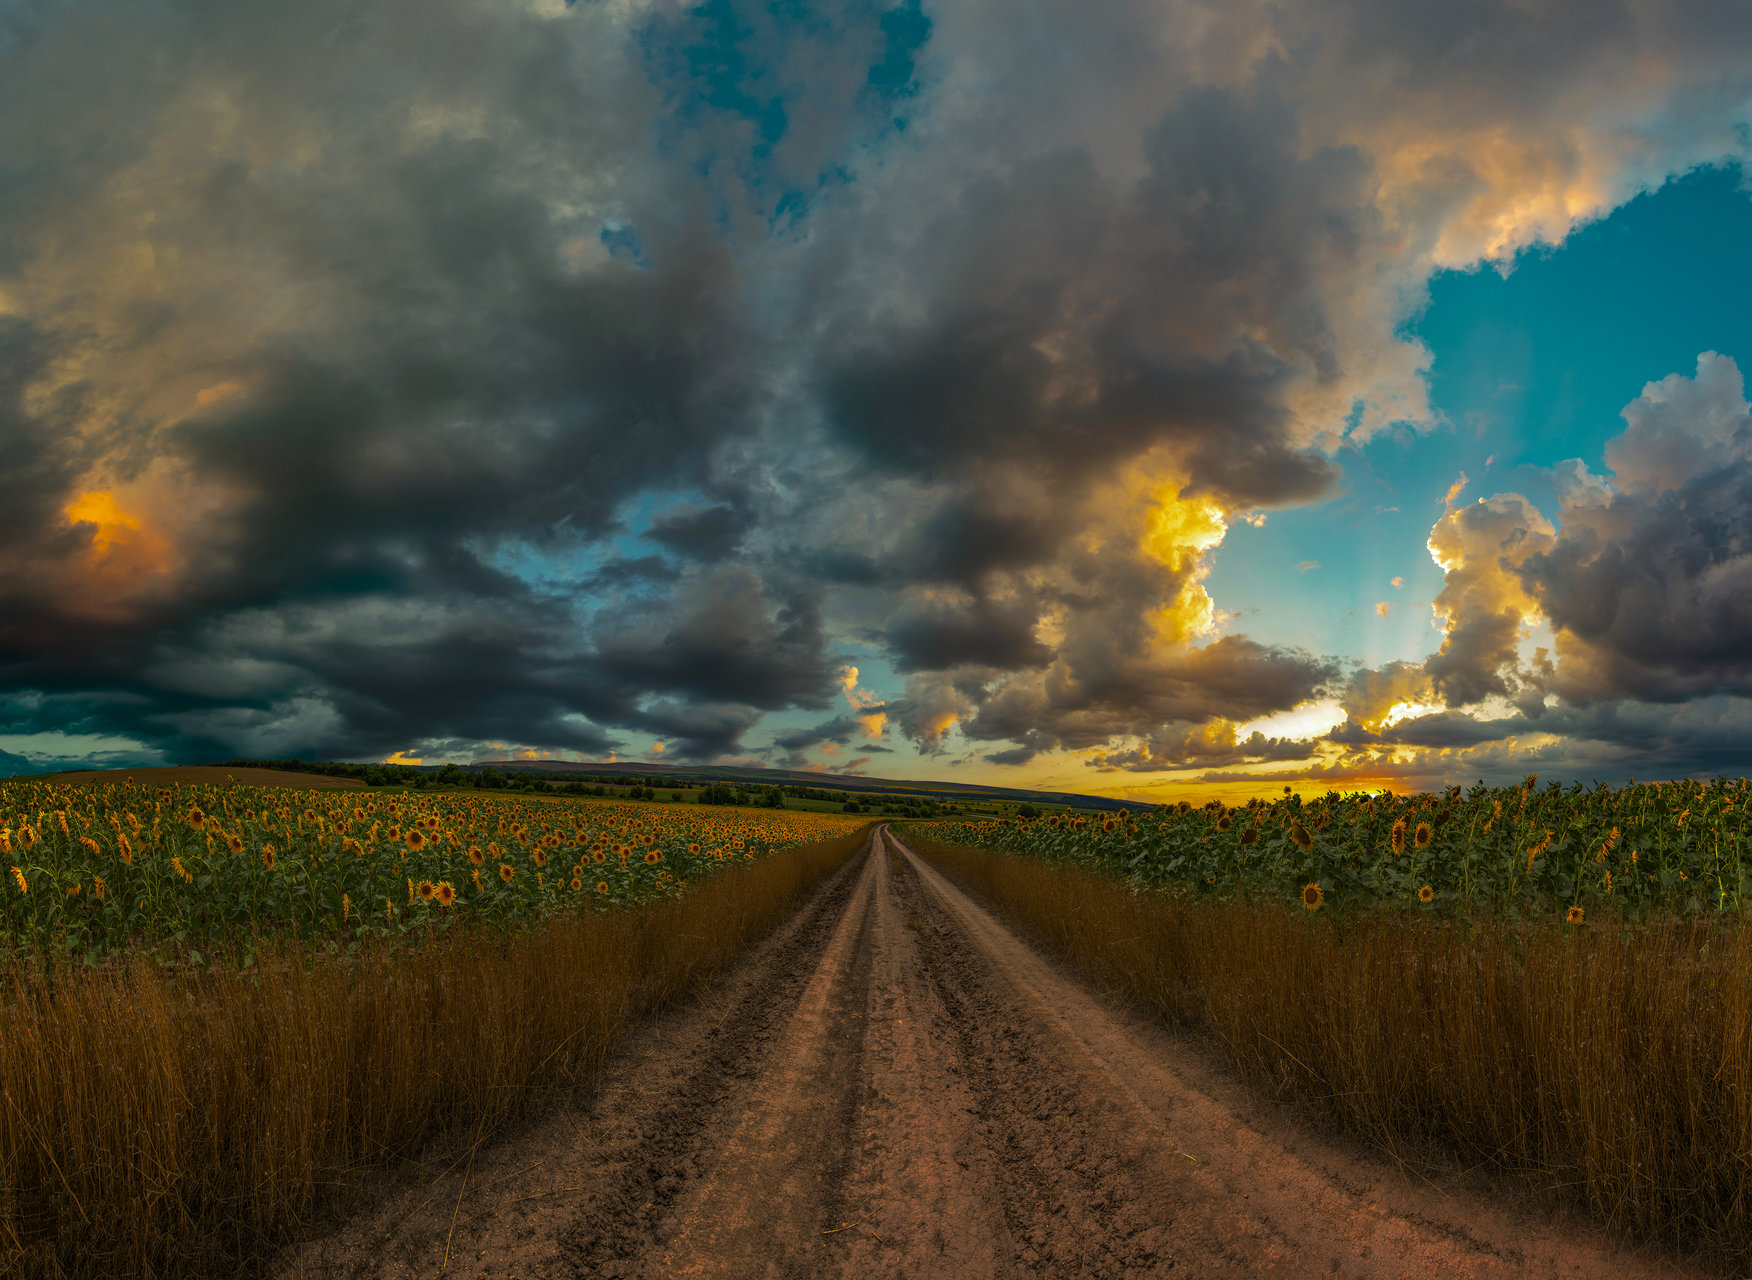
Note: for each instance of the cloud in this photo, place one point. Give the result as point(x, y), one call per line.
point(1648, 586)
point(1483, 602)
point(708, 533)
point(1211, 745)
point(333, 341)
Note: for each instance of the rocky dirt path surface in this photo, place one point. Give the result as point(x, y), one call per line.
point(894, 1084)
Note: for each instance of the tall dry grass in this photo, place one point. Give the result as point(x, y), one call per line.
point(163, 1124)
point(1602, 1066)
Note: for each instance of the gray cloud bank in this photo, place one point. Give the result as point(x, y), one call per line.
point(469, 374)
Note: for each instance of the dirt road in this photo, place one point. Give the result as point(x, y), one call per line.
point(894, 1085)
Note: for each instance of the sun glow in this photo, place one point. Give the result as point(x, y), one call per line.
point(1408, 711)
point(1310, 720)
point(124, 551)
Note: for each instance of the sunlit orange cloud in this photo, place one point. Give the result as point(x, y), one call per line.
point(404, 757)
point(123, 559)
point(875, 723)
point(1527, 189)
point(207, 397)
point(1179, 533)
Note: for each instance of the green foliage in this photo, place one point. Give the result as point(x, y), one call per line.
point(94, 870)
point(1628, 851)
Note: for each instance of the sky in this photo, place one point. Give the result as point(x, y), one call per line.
point(1162, 399)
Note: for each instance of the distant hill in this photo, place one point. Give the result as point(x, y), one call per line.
point(803, 778)
point(202, 774)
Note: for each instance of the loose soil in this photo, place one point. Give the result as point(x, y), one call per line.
point(206, 775)
point(894, 1084)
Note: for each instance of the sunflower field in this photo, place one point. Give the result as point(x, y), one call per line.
point(1523, 851)
point(95, 870)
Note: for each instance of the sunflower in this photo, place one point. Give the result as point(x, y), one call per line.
point(1299, 833)
point(1223, 823)
point(177, 866)
point(97, 887)
point(427, 890)
point(693, 847)
point(268, 856)
point(445, 894)
point(1250, 836)
point(577, 884)
point(1574, 916)
point(415, 839)
point(234, 843)
point(475, 855)
point(602, 886)
point(196, 818)
point(505, 872)
point(1312, 896)
point(1421, 837)
point(1399, 836)
point(1425, 894)
point(653, 857)
point(19, 876)
point(539, 858)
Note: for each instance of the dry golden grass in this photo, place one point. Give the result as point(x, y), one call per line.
point(167, 1124)
point(1601, 1066)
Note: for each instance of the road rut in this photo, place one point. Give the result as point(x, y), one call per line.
point(894, 1084)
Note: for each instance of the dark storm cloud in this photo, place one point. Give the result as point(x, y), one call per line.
point(931, 634)
point(369, 321)
point(1195, 749)
point(634, 571)
point(1645, 578)
point(1051, 251)
point(721, 636)
point(840, 730)
point(1651, 585)
point(708, 533)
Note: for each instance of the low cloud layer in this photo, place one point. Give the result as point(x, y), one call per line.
point(460, 377)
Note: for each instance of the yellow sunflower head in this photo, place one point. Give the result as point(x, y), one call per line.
point(1312, 896)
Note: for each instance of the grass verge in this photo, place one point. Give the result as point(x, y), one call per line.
point(174, 1123)
point(1604, 1066)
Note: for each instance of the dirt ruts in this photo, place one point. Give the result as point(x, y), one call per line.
point(893, 1084)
